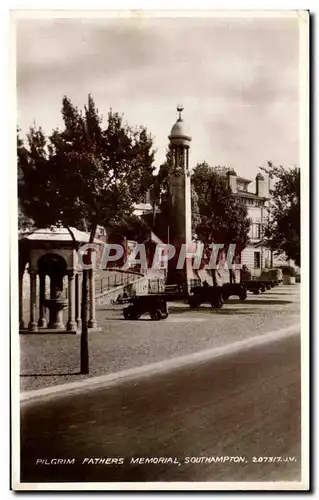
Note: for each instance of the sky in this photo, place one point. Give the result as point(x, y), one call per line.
point(237, 79)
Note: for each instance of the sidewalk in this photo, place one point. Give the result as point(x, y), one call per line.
point(51, 359)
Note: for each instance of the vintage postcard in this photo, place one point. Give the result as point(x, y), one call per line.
point(160, 330)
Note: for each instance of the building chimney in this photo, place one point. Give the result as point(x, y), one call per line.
point(232, 180)
point(260, 185)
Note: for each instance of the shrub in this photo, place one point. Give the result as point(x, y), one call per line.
point(289, 271)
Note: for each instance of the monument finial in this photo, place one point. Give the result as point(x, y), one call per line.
point(180, 109)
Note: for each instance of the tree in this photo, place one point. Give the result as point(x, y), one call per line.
point(222, 219)
point(217, 217)
point(84, 175)
point(282, 232)
point(131, 227)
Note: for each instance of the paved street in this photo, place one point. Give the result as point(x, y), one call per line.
point(50, 359)
point(245, 403)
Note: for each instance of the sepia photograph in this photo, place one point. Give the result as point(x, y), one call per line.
point(159, 286)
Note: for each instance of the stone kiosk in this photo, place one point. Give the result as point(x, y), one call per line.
point(52, 258)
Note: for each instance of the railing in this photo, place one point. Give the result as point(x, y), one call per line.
point(109, 279)
point(113, 295)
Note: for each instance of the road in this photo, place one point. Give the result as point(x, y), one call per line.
point(245, 403)
point(47, 360)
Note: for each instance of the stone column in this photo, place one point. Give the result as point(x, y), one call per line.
point(52, 288)
point(21, 320)
point(33, 327)
point(92, 321)
point(71, 325)
point(42, 323)
point(78, 296)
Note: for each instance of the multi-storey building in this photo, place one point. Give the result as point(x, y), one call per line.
point(254, 195)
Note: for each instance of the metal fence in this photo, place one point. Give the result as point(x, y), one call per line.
point(113, 279)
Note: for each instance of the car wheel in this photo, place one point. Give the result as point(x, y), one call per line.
point(126, 313)
point(219, 303)
point(156, 315)
point(193, 302)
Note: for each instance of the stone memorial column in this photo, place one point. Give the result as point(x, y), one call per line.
point(92, 321)
point(71, 325)
point(33, 327)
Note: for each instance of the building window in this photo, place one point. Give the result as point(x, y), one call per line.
point(261, 230)
point(250, 202)
point(100, 231)
point(258, 231)
point(257, 260)
point(260, 203)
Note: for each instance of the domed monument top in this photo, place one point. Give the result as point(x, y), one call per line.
point(178, 133)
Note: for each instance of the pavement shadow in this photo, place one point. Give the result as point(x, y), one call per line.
point(49, 374)
point(209, 310)
point(228, 312)
point(187, 309)
point(123, 319)
point(44, 333)
point(257, 302)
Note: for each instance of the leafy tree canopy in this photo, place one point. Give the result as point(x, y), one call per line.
point(84, 174)
point(131, 227)
point(283, 229)
point(222, 219)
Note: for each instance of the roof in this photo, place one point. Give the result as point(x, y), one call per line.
point(242, 179)
point(143, 206)
point(179, 131)
point(59, 234)
point(246, 194)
